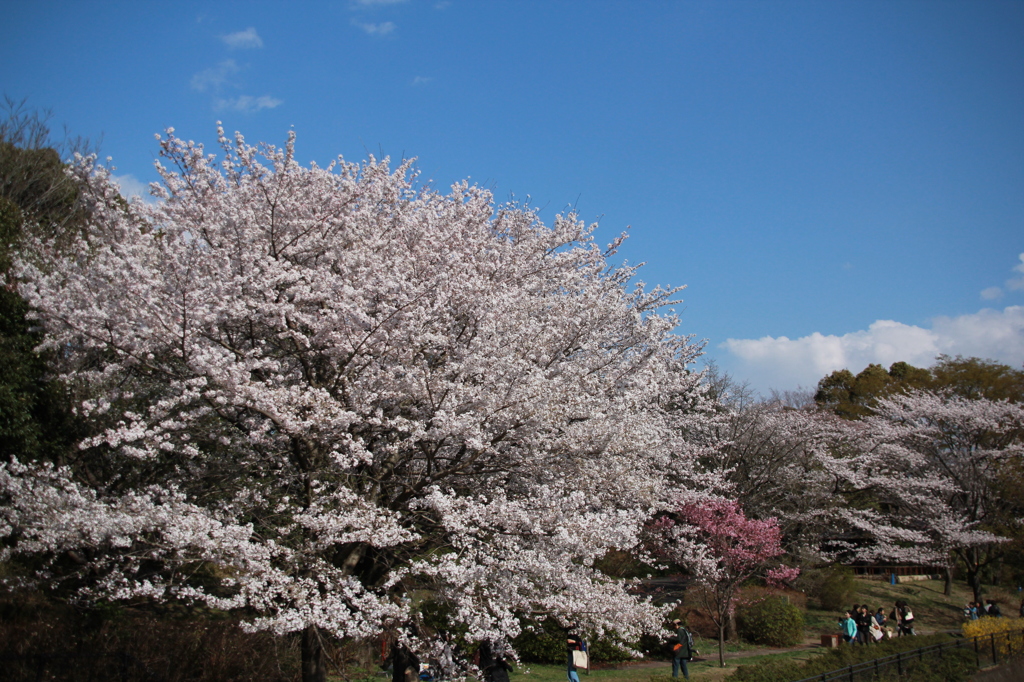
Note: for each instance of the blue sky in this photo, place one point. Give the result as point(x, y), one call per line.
point(836, 183)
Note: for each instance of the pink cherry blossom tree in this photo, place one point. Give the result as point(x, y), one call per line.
point(316, 389)
point(721, 549)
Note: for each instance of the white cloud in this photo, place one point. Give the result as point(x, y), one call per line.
point(247, 104)
point(377, 3)
point(784, 363)
point(1017, 283)
point(243, 40)
point(381, 29)
point(216, 77)
point(421, 80)
point(130, 186)
point(991, 294)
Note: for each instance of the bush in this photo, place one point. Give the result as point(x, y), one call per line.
point(832, 588)
point(1006, 630)
point(772, 622)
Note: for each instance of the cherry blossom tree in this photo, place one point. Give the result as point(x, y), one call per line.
point(947, 458)
point(721, 548)
point(316, 389)
point(777, 460)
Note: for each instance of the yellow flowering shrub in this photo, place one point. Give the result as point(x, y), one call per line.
point(1009, 633)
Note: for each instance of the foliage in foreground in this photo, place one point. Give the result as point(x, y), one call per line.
point(955, 665)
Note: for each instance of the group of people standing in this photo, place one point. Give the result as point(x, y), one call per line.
point(861, 626)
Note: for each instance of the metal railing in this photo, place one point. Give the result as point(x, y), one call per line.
point(988, 650)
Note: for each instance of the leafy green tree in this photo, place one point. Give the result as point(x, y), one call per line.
point(975, 378)
point(37, 197)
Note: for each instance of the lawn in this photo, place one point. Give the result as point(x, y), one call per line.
point(933, 611)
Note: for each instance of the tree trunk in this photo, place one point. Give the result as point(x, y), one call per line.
point(948, 587)
point(974, 580)
point(721, 644)
point(972, 561)
point(314, 668)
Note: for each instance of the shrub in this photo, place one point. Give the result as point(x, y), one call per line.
point(832, 588)
point(1006, 630)
point(773, 622)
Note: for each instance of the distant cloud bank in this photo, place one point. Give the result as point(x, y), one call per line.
point(784, 363)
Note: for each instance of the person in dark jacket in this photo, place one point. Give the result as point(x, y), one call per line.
point(863, 618)
point(682, 650)
point(904, 618)
point(492, 664)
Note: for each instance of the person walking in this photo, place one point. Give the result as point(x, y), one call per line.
point(904, 618)
point(574, 643)
point(682, 650)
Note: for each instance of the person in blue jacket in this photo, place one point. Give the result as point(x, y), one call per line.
point(848, 628)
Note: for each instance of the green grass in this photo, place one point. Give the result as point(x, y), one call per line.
point(933, 611)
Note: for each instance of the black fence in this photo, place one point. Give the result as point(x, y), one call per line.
point(987, 650)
